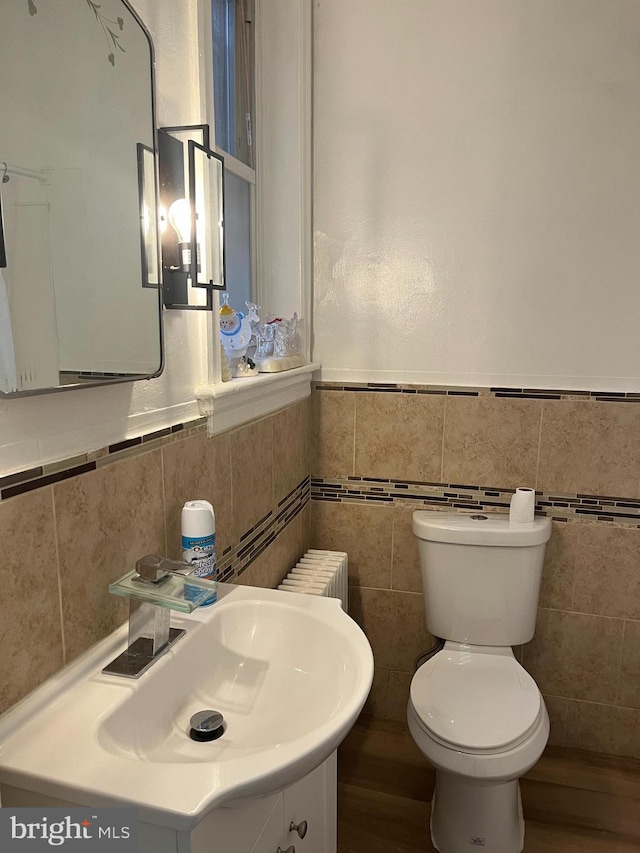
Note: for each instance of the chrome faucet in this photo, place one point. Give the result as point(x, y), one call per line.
point(154, 589)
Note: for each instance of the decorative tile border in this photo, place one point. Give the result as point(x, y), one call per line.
point(452, 496)
point(54, 472)
point(258, 538)
point(462, 391)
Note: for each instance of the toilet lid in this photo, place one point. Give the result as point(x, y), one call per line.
point(473, 701)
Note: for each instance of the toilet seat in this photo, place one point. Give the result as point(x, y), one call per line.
point(475, 702)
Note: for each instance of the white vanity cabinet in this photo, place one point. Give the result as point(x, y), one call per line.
point(258, 825)
point(268, 824)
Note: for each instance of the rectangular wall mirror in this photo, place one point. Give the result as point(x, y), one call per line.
point(80, 300)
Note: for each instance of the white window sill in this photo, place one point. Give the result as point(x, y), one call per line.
point(230, 404)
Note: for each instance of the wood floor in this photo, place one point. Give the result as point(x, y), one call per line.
point(573, 801)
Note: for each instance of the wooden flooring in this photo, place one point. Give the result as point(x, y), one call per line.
point(573, 801)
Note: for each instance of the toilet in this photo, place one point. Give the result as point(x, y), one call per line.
point(473, 710)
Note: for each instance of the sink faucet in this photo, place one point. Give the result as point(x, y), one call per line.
point(154, 589)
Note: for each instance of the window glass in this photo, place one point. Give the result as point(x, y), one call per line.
point(237, 202)
point(233, 76)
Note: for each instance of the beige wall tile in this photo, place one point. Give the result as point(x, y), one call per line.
point(30, 619)
point(376, 703)
point(394, 623)
point(590, 447)
point(308, 453)
point(332, 433)
point(607, 578)
point(399, 435)
point(251, 474)
point(558, 709)
point(290, 449)
point(559, 566)
point(405, 568)
point(287, 549)
point(629, 689)
point(364, 532)
point(198, 468)
point(399, 684)
point(602, 728)
point(575, 655)
point(491, 442)
point(106, 520)
point(260, 572)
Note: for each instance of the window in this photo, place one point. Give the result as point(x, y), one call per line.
point(269, 224)
point(233, 56)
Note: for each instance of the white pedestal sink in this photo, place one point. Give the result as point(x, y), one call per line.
point(290, 674)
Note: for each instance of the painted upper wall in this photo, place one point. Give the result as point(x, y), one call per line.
point(477, 191)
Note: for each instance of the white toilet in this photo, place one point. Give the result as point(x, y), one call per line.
point(475, 713)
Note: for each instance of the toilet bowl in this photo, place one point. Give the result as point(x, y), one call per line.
point(479, 718)
point(473, 710)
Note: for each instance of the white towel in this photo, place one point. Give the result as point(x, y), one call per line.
point(8, 372)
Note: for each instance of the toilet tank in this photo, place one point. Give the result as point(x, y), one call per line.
point(480, 575)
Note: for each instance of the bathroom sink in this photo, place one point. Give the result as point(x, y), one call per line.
point(288, 672)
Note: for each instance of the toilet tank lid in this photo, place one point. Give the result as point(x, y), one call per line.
point(479, 529)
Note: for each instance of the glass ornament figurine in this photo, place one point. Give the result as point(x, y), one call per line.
point(235, 336)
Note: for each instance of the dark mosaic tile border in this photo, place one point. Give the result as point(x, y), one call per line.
point(461, 391)
point(258, 538)
point(454, 496)
point(55, 472)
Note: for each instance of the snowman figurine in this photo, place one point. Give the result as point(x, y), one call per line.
point(235, 336)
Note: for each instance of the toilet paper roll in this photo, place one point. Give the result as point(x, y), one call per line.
point(522, 507)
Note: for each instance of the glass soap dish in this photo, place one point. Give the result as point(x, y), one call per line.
point(169, 592)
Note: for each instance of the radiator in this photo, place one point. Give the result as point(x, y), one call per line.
point(320, 573)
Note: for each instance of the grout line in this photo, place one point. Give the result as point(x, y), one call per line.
point(624, 631)
point(574, 579)
point(55, 538)
point(539, 444)
point(392, 561)
point(355, 430)
point(444, 424)
point(164, 500)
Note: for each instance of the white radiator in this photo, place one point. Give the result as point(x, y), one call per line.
point(320, 573)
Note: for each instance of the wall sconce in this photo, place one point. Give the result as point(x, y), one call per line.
point(191, 217)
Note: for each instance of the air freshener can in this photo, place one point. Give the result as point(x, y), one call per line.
point(198, 524)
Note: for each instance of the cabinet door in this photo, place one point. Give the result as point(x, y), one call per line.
point(271, 836)
point(235, 827)
point(312, 799)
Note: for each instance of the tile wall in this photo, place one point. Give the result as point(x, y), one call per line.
point(68, 530)
point(383, 451)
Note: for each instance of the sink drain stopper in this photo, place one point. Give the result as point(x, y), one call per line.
point(206, 725)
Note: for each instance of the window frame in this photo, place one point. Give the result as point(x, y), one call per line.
point(281, 249)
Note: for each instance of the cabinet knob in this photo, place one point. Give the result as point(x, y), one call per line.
point(291, 849)
point(300, 828)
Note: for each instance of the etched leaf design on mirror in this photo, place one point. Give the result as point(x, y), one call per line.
point(109, 30)
point(33, 9)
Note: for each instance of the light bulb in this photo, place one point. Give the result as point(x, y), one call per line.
point(180, 219)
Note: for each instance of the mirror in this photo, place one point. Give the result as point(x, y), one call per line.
point(80, 300)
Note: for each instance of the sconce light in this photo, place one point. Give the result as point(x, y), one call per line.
point(192, 204)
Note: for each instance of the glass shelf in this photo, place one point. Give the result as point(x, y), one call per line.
point(175, 592)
